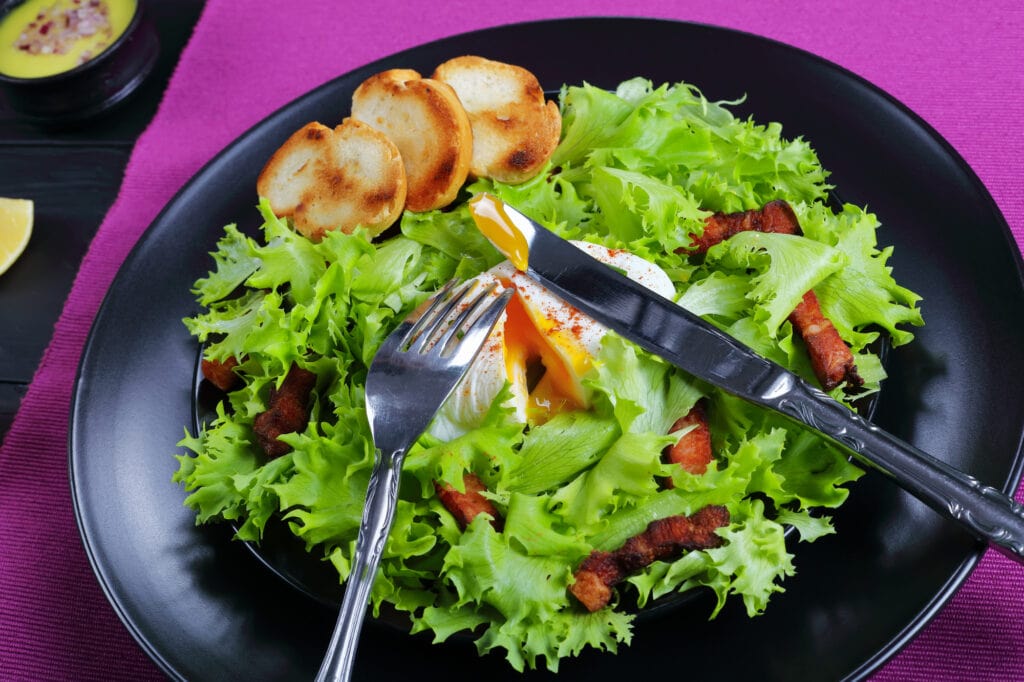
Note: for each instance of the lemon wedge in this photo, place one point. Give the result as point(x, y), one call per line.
point(15, 229)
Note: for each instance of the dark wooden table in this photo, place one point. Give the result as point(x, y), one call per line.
point(73, 175)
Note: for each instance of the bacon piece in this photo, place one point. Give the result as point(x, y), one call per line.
point(465, 506)
point(594, 579)
point(830, 356)
point(220, 372)
point(693, 450)
point(663, 539)
point(775, 217)
point(287, 411)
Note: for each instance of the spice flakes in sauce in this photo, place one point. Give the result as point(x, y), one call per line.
point(56, 28)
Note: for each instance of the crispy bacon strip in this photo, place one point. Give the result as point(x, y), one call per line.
point(220, 372)
point(693, 450)
point(663, 539)
point(466, 506)
point(287, 411)
point(830, 356)
point(776, 217)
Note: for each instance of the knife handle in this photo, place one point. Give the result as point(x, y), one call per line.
point(983, 510)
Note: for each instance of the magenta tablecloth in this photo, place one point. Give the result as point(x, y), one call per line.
point(960, 65)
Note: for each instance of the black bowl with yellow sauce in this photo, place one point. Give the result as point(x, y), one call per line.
point(68, 60)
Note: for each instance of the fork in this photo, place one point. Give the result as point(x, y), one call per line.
point(413, 373)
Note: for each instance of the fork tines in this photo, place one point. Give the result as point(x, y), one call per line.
point(454, 314)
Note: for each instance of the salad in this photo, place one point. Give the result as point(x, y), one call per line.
point(638, 169)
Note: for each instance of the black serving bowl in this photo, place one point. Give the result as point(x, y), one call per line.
point(91, 87)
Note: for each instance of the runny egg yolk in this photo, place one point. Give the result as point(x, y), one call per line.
point(532, 360)
point(492, 220)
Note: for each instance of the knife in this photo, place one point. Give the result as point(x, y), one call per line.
point(670, 331)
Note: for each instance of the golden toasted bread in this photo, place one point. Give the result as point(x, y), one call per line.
point(425, 120)
point(514, 130)
point(336, 179)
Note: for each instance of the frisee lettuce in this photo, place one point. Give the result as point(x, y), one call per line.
point(638, 168)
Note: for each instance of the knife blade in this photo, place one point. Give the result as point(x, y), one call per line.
point(702, 350)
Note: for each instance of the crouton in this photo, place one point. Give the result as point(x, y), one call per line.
point(514, 130)
point(425, 120)
point(338, 179)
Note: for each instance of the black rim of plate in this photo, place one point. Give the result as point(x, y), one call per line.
point(84, 417)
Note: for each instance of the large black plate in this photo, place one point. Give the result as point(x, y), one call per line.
point(204, 608)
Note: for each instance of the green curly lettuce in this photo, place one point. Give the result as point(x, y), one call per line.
point(637, 168)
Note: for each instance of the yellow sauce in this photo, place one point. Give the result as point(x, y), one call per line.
point(28, 50)
point(488, 212)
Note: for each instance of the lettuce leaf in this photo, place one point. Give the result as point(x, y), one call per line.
point(863, 293)
point(788, 266)
point(554, 452)
point(646, 394)
point(626, 473)
point(638, 209)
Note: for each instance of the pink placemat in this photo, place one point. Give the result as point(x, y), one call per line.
point(960, 65)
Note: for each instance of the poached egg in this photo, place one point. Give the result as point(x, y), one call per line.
point(541, 346)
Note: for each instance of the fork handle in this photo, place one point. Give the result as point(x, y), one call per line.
point(378, 515)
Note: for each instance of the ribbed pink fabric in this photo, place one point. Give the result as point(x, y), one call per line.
point(960, 65)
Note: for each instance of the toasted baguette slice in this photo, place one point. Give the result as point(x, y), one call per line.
point(427, 123)
point(514, 130)
point(337, 179)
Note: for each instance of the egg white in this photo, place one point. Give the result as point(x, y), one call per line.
point(567, 339)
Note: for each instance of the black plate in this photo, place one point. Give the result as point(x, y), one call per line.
point(204, 608)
